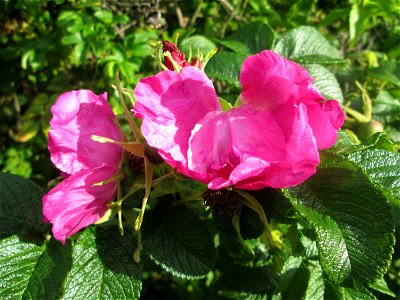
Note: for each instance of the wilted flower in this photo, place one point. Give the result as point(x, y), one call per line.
point(87, 166)
point(272, 139)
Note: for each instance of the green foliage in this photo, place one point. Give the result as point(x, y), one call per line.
point(250, 39)
point(20, 207)
point(183, 246)
point(225, 66)
point(102, 267)
point(351, 219)
point(307, 45)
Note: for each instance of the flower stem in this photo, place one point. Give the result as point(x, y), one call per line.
point(149, 176)
point(128, 114)
point(252, 203)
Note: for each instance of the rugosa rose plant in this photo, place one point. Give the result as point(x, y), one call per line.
point(87, 166)
point(314, 223)
point(271, 140)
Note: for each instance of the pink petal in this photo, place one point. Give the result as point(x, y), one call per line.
point(170, 105)
point(325, 119)
point(76, 202)
point(253, 149)
point(226, 145)
point(76, 116)
point(302, 156)
point(269, 81)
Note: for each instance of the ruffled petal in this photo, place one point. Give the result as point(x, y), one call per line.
point(76, 202)
point(302, 156)
point(325, 119)
point(78, 115)
point(269, 81)
point(235, 145)
point(252, 149)
point(170, 105)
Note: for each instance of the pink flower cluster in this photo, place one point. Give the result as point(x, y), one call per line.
point(81, 198)
point(271, 140)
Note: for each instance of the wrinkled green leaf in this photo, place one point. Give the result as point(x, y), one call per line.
point(383, 168)
point(294, 278)
point(46, 281)
point(316, 286)
point(20, 207)
point(178, 241)
point(29, 271)
point(103, 267)
point(251, 39)
point(381, 286)
point(18, 261)
point(225, 66)
point(306, 44)
point(325, 81)
point(351, 219)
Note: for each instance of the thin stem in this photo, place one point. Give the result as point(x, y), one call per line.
point(121, 227)
point(252, 203)
point(162, 179)
point(149, 176)
point(132, 123)
point(136, 253)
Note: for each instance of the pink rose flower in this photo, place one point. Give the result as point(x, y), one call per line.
point(272, 139)
point(79, 200)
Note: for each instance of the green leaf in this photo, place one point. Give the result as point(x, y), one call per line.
point(383, 169)
point(386, 106)
point(47, 279)
point(387, 71)
point(103, 266)
point(306, 44)
point(347, 293)
point(251, 39)
point(199, 42)
point(325, 81)
point(18, 261)
point(30, 271)
point(225, 66)
point(178, 241)
point(72, 39)
point(351, 219)
point(316, 286)
point(20, 207)
point(104, 16)
point(242, 282)
point(71, 21)
point(381, 286)
point(294, 278)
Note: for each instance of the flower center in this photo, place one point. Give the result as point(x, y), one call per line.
point(223, 201)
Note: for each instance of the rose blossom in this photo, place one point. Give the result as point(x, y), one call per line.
point(272, 139)
point(81, 198)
